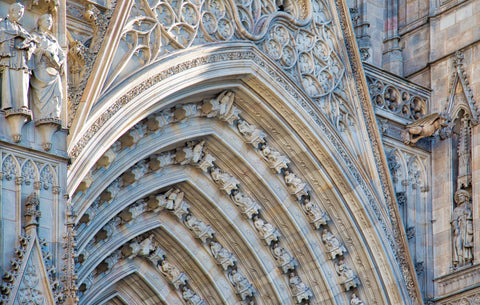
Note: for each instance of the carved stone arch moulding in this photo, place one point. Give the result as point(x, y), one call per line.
point(398, 167)
point(223, 109)
point(268, 233)
point(10, 167)
point(417, 175)
point(340, 14)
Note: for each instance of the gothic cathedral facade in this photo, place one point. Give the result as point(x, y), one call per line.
point(239, 152)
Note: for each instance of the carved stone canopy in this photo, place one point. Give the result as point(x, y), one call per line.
point(463, 98)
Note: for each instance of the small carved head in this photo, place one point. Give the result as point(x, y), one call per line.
point(462, 196)
point(15, 12)
point(45, 23)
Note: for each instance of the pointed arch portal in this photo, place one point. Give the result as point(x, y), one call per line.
point(222, 184)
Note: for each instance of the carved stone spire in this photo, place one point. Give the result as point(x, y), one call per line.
point(70, 287)
point(31, 213)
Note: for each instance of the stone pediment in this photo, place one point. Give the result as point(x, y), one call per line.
point(300, 37)
point(31, 282)
point(460, 94)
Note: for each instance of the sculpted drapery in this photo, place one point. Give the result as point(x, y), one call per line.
point(46, 83)
point(462, 223)
point(16, 46)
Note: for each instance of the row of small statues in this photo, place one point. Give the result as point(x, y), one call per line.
point(31, 66)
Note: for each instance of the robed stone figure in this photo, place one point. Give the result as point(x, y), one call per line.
point(462, 223)
point(46, 83)
point(16, 47)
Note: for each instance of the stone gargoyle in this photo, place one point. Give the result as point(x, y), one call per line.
point(424, 127)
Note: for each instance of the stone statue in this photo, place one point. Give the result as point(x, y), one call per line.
point(317, 217)
point(246, 204)
point(170, 271)
point(16, 48)
point(334, 246)
point(285, 261)
point(347, 276)
point(222, 256)
point(265, 230)
point(190, 297)
point(174, 275)
point(356, 300)
point(462, 229)
point(174, 198)
point(199, 228)
point(241, 284)
point(300, 291)
point(274, 159)
point(46, 83)
point(227, 182)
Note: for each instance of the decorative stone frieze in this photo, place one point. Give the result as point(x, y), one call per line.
point(397, 96)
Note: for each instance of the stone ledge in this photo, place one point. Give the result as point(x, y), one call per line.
point(457, 282)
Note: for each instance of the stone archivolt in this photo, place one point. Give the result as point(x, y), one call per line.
point(372, 202)
point(194, 153)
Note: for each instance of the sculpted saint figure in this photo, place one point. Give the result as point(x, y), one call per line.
point(347, 275)
point(241, 284)
point(222, 255)
point(16, 47)
point(356, 300)
point(171, 271)
point(334, 246)
point(462, 229)
point(191, 297)
point(46, 84)
point(266, 231)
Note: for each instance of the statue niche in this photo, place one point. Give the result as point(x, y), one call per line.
point(462, 220)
